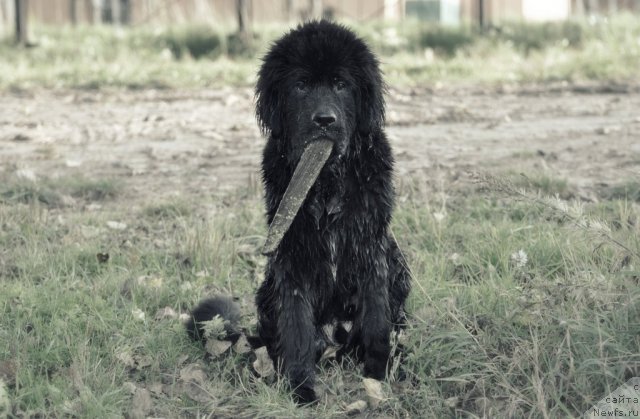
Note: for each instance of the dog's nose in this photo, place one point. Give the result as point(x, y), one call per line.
point(324, 118)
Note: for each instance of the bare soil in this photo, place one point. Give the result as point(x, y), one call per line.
point(184, 142)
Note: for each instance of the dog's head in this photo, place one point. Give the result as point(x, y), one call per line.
point(319, 80)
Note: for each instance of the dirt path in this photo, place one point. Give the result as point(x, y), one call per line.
point(168, 142)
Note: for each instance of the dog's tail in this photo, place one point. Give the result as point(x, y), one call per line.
point(206, 310)
point(228, 310)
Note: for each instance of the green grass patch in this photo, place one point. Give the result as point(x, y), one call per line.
point(56, 192)
point(412, 53)
point(515, 310)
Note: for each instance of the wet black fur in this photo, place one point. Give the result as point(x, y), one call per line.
point(338, 262)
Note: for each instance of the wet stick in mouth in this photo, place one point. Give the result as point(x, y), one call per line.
point(313, 158)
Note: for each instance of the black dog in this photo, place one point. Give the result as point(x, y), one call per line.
point(337, 262)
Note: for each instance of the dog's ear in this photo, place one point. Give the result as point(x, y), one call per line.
point(370, 99)
point(268, 103)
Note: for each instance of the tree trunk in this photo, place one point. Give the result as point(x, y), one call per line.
point(21, 11)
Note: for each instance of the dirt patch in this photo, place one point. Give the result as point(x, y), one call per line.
point(185, 142)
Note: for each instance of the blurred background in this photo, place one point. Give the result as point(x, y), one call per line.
point(99, 42)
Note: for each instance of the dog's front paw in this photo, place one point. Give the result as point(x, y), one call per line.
point(375, 368)
point(304, 394)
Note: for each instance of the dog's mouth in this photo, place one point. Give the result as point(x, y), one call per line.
point(313, 159)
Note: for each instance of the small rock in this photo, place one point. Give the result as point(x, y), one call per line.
point(607, 130)
point(21, 138)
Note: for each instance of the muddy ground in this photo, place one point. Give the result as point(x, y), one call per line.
point(184, 142)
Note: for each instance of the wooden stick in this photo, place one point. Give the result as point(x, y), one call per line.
point(311, 162)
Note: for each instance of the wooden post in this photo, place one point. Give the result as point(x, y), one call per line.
point(97, 11)
point(21, 12)
point(73, 12)
point(116, 13)
point(481, 16)
point(289, 6)
point(242, 10)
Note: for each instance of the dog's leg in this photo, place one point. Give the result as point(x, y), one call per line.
point(375, 317)
point(296, 342)
point(286, 325)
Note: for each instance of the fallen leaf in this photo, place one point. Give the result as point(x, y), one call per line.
point(329, 353)
point(263, 364)
point(138, 314)
point(451, 402)
point(242, 345)
point(166, 313)
point(130, 387)
point(126, 358)
point(193, 379)
point(373, 388)
point(141, 403)
point(217, 347)
point(8, 371)
point(193, 373)
point(156, 388)
point(5, 403)
point(356, 407)
point(143, 361)
point(116, 225)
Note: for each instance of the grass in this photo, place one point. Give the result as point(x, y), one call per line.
point(411, 53)
point(518, 309)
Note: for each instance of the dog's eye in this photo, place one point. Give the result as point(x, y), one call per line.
point(339, 84)
point(301, 85)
